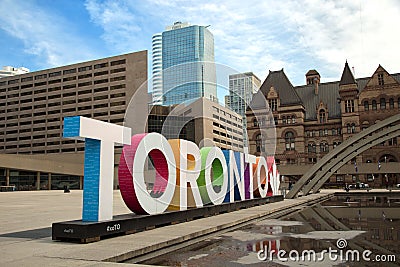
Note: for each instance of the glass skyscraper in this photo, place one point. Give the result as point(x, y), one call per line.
point(188, 64)
point(157, 69)
point(242, 87)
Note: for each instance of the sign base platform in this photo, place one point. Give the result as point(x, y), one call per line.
point(87, 232)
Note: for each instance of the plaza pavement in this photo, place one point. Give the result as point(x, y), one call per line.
point(26, 218)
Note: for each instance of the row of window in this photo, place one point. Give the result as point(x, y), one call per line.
point(65, 72)
point(229, 129)
point(113, 79)
point(288, 119)
point(382, 104)
point(228, 115)
point(324, 132)
point(323, 147)
point(227, 142)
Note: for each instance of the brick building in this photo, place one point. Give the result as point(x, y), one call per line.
point(313, 119)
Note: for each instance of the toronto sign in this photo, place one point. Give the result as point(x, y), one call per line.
point(186, 176)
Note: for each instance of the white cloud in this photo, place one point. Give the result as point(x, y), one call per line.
point(122, 30)
point(249, 35)
point(262, 35)
point(45, 36)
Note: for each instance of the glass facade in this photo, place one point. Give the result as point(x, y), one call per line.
point(241, 89)
point(28, 180)
point(188, 65)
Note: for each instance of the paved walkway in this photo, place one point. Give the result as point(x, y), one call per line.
point(25, 232)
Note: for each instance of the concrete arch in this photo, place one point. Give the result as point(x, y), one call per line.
point(316, 176)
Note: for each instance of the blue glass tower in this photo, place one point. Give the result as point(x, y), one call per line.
point(188, 64)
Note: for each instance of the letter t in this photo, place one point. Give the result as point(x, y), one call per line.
point(99, 139)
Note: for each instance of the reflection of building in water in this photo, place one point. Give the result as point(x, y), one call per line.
point(203, 121)
point(378, 216)
point(181, 127)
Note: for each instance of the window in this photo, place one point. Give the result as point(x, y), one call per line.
point(54, 74)
point(324, 147)
point(333, 131)
point(393, 141)
point(391, 103)
point(322, 116)
point(339, 178)
point(383, 103)
point(373, 104)
point(27, 79)
point(69, 71)
point(366, 105)
point(348, 128)
point(100, 73)
point(101, 65)
point(84, 68)
point(273, 104)
point(259, 146)
point(349, 106)
point(380, 79)
point(353, 128)
point(312, 160)
point(41, 76)
point(255, 123)
point(118, 62)
point(293, 119)
point(311, 148)
point(283, 120)
point(289, 141)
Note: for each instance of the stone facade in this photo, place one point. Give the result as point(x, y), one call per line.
point(312, 119)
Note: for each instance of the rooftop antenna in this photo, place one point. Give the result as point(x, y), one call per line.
point(354, 71)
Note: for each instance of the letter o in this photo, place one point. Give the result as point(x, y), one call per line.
point(131, 173)
point(212, 157)
point(262, 163)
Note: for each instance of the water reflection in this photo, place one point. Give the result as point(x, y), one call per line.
point(371, 223)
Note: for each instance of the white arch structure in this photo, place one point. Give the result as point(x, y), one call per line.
point(316, 176)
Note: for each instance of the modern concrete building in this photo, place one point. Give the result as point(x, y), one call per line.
point(188, 64)
point(242, 87)
point(8, 71)
point(313, 119)
point(34, 104)
point(203, 121)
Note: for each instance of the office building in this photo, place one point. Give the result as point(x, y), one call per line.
point(188, 64)
point(202, 121)
point(8, 71)
point(34, 104)
point(242, 86)
point(156, 78)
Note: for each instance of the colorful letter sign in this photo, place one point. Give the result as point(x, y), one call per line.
point(186, 176)
point(99, 163)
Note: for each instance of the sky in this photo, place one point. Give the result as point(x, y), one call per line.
point(250, 35)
